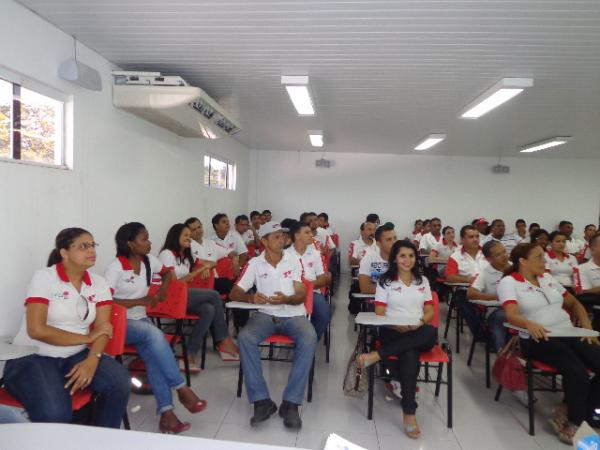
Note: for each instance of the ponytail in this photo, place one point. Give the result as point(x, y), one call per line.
point(53, 258)
point(64, 239)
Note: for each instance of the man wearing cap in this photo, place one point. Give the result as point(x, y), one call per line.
point(279, 297)
point(481, 225)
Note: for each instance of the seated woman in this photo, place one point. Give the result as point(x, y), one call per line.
point(403, 293)
point(444, 249)
point(534, 300)
point(129, 277)
point(540, 237)
point(559, 263)
point(62, 302)
point(176, 254)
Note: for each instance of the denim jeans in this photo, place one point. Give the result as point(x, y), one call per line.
point(499, 333)
point(38, 383)
point(10, 415)
point(321, 314)
point(155, 351)
point(207, 304)
point(259, 327)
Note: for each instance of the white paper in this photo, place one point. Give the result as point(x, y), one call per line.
point(335, 442)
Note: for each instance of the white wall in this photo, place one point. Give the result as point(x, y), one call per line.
point(403, 188)
point(124, 168)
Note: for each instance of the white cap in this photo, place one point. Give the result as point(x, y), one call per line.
point(270, 227)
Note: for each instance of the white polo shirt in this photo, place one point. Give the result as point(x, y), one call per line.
point(66, 307)
point(311, 261)
point(233, 242)
point(442, 249)
point(521, 240)
point(372, 264)
point(587, 276)
point(416, 237)
point(125, 284)
point(247, 237)
point(428, 241)
point(561, 270)
point(574, 246)
point(358, 248)
point(324, 239)
point(268, 280)
point(509, 241)
point(402, 301)
point(463, 264)
point(181, 266)
point(208, 250)
point(543, 305)
point(487, 280)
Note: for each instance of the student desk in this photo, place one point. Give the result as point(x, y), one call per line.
point(11, 351)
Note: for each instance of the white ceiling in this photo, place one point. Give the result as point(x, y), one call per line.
point(385, 73)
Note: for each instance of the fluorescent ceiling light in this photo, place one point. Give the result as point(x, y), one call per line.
point(498, 94)
point(297, 89)
point(316, 138)
point(430, 141)
point(547, 143)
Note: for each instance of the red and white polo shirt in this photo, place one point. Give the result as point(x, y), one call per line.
point(561, 270)
point(443, 249)
point(67, 308)
point(208, 250)
point(587, 276)
point(232, 241)
point(311, 261)
point(180, 265)
point(358, 248)
point(574, 245)
point(428, 241)
point(487, 280)
point(402, 301)
point(125, 284)
point(463, 264)
point(269, 280)
point(543, 304)
point(324, 239)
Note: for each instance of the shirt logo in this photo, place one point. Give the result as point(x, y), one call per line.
point(287, 274)
point(131, 279)
point(398, 289)
point(263, 275)
point(91, 298)
point(311, 264)
point(64, 295)
point(422, 289)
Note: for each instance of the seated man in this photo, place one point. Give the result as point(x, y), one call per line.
point(520, 230)
point(429, 240)
point(228, 239)
point(587, 280)
point(246, 232)
point(280, 294)
point(572, 245)
point(359, 247)
point(498, 233)
point(463, 266)
point(373, 218)
point(588, 233)
point(375, 261)
point(324, 223)
point(267, 215)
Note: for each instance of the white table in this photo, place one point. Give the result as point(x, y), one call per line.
point(359, 295)
point(372, 319)
point(560, 332)
point(10, 351)
point(244, 305)
point(437, 260)
point(447, 283)
point(54, 436)
point(487, 303)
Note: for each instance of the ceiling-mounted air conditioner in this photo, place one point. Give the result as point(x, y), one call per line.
point(168, 101)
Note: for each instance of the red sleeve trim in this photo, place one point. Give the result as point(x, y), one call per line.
point(509, 302)
point(42, 300)
point(112, 292)
point(378, 303)
point(104, 303)
point(452, 267)
point(428, 302)
point(163, 270)
point(565, 293)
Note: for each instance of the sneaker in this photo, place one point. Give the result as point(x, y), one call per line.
point(291, 417)
point(263, 409)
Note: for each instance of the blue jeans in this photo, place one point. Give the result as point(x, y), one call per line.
point(38, 383)
point(499, 333)
point(155, 351)
point(10, 415)
point(258, 328)
point(321, 314)
point(207, 304)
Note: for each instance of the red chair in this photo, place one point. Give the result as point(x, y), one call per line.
point(281, 341)
point(203, 283)
point(251, 250)
point(435, 359)
point(225, 268)
point(114, 347)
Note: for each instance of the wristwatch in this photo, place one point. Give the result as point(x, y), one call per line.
point(97, 355)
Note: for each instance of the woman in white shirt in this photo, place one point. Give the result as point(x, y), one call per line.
point(444, 249)
point(63, 301)
point(176, 254)
point(534, 300)
point(559, 263)
point(403, 293)
point(129, 276)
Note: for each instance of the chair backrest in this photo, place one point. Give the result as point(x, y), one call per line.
point(308, 301)
point(225, 268)
point(203, 283)
point(118, 320)
point(251, 250)
point(175, 304)
point(436, 310)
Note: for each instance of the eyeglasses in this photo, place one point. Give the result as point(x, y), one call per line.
point(86, 246)
point(83, 308)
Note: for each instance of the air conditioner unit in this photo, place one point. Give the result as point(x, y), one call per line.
point(185, 110)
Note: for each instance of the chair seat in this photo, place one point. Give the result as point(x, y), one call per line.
point(78, 400)
point(191, 317)
point(539, 365)
point(129, 349)
point(435, 355)
point(278, 339)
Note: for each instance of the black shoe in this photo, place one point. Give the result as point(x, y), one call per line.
point(291, 417)
point(263, 409)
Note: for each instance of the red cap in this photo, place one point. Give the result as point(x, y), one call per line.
point(480, 221)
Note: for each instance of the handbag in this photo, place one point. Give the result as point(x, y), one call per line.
point(508, 369)
point(356, 381)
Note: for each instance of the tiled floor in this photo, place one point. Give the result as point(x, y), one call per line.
point(479, 422)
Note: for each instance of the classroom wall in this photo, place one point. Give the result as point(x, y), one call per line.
point(403, 188)
point(124, 168)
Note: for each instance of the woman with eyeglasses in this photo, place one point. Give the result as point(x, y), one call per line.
point(129, 276)
point(62, 302)
point(534, 300)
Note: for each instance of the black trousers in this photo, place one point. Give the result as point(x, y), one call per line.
point(572, 358)
point(468, 311)
point(589, 300)
point(407, 347)
point(240, 316)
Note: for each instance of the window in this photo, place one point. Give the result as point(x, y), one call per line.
point(31, 126)
point(219, 174)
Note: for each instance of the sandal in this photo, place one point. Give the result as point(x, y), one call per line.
point(412, 431)
point(567, 433)
point(362, 361)
point(558, 422)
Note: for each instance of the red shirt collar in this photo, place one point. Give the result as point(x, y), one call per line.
point(125, 264)
point(62, 274)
